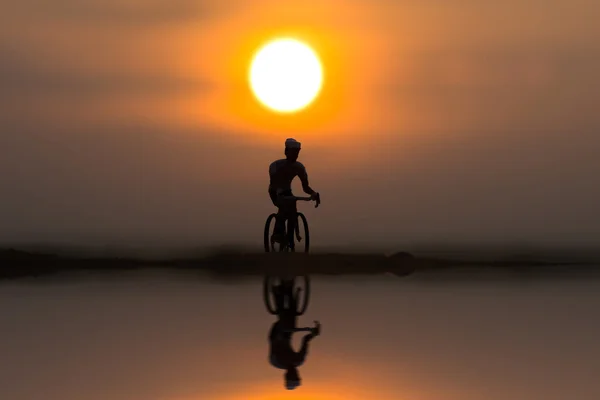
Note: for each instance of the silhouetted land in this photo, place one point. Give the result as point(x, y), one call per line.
point(16, 264)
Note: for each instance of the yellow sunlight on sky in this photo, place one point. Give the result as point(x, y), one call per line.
point(301, 393)
point(346, 55)
point(335, 377)
point(310, 391)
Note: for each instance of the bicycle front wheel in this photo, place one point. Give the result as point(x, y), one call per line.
point(268, 297)
point(270, 245)
point(302, 290)
point(306, 238)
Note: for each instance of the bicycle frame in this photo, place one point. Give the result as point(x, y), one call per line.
point(296, 224)
point(294, 299)
point(289, 235)
point(287, 286)
point(298, 198)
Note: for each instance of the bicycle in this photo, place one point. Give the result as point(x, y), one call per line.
point(288, 284)
point(289, 289)
point(289, 245)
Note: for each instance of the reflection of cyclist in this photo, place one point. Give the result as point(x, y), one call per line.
point(282, 173)
point(282, 354)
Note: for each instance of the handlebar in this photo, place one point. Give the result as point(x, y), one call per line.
point(307, 329)
point(304, 198)
point(297, 198)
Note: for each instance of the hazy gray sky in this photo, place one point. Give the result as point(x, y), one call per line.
point(133, 121)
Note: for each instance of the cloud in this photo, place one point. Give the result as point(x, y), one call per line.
point(514, 89)
point(127, 13)
point(23, 76)
point(507, 133)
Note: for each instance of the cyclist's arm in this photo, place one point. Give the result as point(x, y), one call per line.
point(304, 179)
point(301, 355)
point(292, 330)
point(272, 173)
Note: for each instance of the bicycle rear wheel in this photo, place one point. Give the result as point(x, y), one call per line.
point(300, 287)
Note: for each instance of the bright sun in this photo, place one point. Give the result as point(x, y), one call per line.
point(286, 75)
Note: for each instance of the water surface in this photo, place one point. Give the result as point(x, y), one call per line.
point(160, 336)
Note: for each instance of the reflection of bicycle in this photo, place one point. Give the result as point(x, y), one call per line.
point(292, 227)
point(296, 288)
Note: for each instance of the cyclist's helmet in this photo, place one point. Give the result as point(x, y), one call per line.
point(292, 144)
point(292, 379)
point(292, 384)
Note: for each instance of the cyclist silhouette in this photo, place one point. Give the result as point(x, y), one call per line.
point(282, 354)
point(281, 174)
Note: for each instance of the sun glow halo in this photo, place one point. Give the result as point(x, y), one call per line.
point(286, 75)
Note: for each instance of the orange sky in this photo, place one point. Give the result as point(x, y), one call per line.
point(436, 120)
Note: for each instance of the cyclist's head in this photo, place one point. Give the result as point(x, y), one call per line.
point(292, 379)
point(292, 149)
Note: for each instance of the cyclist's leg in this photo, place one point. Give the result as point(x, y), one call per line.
point(288, 320)
point(284, 303)
point(297, 295)
point(279, 298)
point(279, 231)
point(291, 230)
point(284, 298)
point(293, 300)
point(291, 213)
point(282, 214)
point(273, 196)
point(303, 352)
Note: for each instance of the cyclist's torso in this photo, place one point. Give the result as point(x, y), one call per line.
point(282, 173)
point(281, 354)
